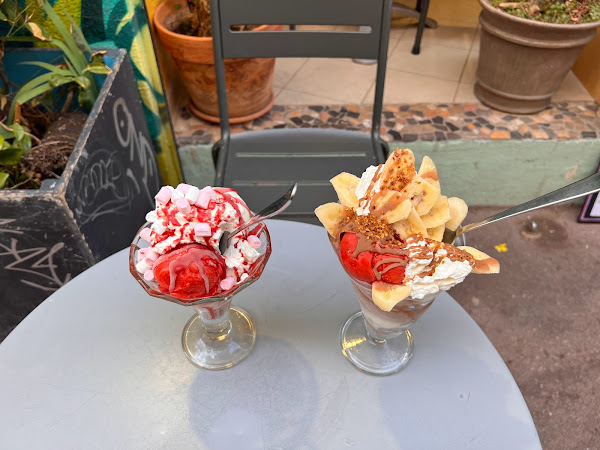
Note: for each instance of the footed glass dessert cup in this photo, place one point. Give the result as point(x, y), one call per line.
point(377, 341)
point(218, 335)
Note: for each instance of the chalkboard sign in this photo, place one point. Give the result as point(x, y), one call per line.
point(93, 210)
point(591, 208)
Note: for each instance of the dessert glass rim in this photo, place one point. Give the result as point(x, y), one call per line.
point(253, 275)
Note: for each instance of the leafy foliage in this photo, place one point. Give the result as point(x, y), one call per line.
point(197, 22)
point(75, 75)
point(552, 11)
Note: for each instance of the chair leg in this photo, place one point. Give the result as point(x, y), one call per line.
point(422, 6)
point(403, 10)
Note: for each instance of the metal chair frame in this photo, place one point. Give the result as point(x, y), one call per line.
point(299, 43)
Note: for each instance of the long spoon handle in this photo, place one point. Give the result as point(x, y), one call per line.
point(572, 191)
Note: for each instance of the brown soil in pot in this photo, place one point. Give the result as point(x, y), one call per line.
point(49, 157)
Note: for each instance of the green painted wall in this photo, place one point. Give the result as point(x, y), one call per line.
point(501, 173)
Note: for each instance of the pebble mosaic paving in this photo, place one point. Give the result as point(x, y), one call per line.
point(418, 122)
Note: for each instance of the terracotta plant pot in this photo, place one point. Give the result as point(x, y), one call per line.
point(249, 81)
point(522, 62)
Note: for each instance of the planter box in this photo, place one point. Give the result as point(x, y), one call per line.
point(50, 235)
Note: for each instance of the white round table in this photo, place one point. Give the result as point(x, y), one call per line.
point(99, 364)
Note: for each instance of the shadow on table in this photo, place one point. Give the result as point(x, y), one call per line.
point(270, 400)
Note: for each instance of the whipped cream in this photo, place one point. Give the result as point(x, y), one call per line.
point(431, 270)
point(364, 191)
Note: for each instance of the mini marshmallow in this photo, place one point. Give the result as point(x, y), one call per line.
point(143, 265)
point(151, 255)
point(183, 188)
point(192, 194)
point(254, 241)
point(183, 206)
point(145, 234)
point(151, 216)
point(227, 283)
point(176, 195)
point(204, 197)
point(159, 227)
point(141, 254)
point(202, 229)
point(164, 195)
point(148, 275)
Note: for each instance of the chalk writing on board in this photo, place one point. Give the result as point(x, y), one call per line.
point(35, 264)
point(105, 185)
point(140, 150)
point(5, 222)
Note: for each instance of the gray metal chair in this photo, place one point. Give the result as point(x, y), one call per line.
point(261, 165)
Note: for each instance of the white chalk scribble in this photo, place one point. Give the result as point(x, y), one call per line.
point(35, 262)
point(105, 185)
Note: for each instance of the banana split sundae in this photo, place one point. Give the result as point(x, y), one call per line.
point(387, 230)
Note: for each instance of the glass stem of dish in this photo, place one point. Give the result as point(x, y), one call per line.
point(215, 318)
point(372, 336)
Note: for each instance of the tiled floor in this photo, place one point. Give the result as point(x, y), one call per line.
point(444, 72)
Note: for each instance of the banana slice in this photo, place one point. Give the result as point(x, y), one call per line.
point(331, 216)
point(483, 262)
point(399, 170)
point(422, 194)
point(458, 212)
point(411, 225)
point(386, 295)
point(390, 206)
point(429, 172)
point(345, 185)
point(437, 233)
point(438, 215)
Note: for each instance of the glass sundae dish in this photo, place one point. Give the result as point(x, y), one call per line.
point(386, 231)
point(175, 256)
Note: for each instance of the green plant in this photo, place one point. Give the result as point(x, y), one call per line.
point(15, 141)
point(553, 11)
point(197, 21)
point(75, 74)
point(75, 71)
point(17, 19)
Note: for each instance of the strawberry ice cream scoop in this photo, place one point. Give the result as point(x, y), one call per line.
point(186, 226)
point(373, 263)
point(192, 271)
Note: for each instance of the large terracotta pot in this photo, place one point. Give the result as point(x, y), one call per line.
point(249, 81)
point(522, 62)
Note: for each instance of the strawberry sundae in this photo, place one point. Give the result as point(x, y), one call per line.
point(183, 259)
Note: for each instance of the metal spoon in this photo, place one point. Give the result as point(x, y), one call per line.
point(572, 191)
point(273, 209)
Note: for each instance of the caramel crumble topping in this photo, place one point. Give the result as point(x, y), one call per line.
point(371, 228)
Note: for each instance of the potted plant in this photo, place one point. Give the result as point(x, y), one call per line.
point(527, 49)
point(64, 209)
point(184, 29)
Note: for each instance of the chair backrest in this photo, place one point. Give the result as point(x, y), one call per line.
point(372, 44)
